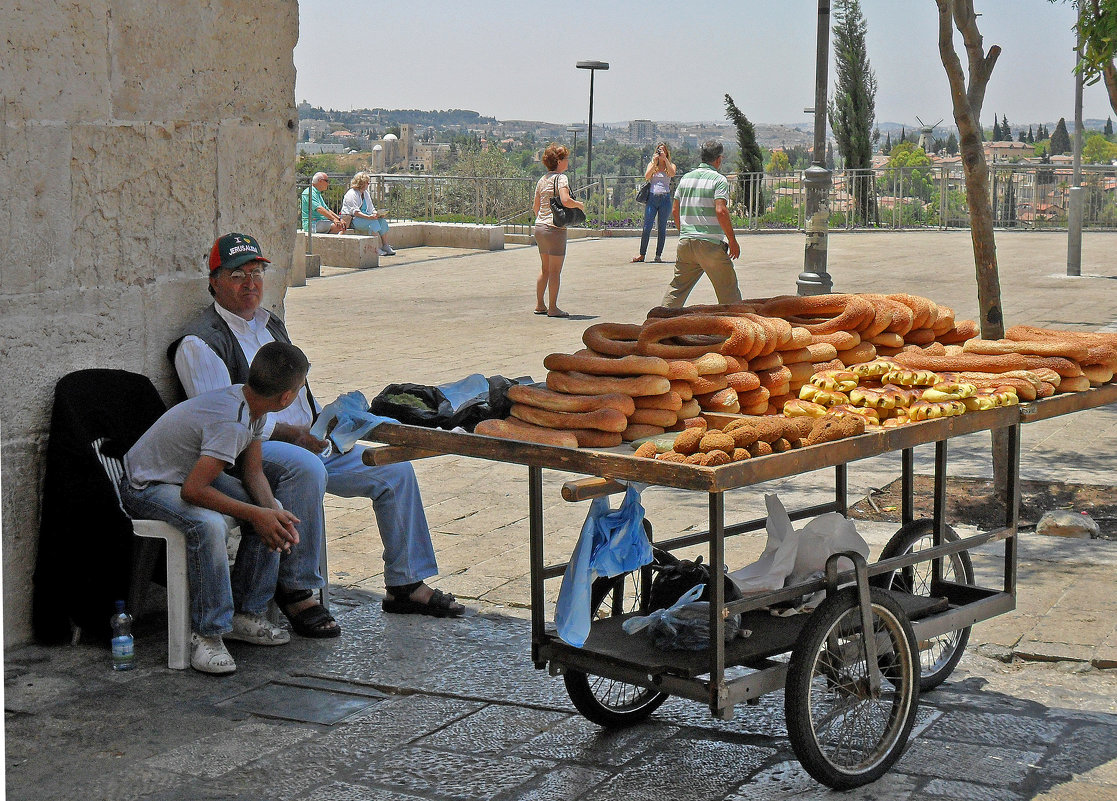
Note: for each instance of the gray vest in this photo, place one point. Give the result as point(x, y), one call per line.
point(215, 332)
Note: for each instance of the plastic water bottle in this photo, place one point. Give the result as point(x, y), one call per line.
point(123, 650)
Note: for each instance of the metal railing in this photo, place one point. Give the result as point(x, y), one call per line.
point(1030, 196)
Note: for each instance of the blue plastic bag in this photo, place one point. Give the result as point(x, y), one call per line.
point(684, 625)
point(612, 542)
point(354, 421)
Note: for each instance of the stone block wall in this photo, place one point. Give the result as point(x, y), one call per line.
point(131, 135)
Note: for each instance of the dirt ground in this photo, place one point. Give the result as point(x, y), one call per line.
point(972, 501)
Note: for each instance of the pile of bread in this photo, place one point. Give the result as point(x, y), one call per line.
point(772, 356)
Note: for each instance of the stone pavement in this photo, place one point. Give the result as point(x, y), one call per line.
point(401, 708)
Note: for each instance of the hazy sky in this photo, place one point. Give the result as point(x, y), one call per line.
point(515, 60)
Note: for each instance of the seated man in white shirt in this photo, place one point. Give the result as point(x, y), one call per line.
point(215, 352)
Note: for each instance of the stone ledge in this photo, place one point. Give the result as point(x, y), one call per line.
point(360, 250)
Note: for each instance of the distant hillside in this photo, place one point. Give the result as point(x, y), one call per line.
point(394, 116)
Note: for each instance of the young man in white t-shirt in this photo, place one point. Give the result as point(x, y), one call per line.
point(177, 472)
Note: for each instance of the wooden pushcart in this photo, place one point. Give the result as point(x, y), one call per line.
point(850, 700)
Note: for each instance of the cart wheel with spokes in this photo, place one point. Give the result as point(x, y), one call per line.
point(844, 732)
point(605, 701)
point(939, 655)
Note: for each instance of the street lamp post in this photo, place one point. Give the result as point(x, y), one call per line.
point(814, 279)
point(592, 66)
point(574, 129)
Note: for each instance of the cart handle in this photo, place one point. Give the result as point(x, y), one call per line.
point(583, 489)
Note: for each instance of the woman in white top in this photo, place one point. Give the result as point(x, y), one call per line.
point(550, 239)
point(659, 174)
point(357, 209)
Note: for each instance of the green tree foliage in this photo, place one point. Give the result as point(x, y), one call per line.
point(1108, 131)
point(853, 107)
point(997, 134)
point(909, 172)
point(887, 143)
point(1098, 149)
point(780, 163)
point(952, 144)
point(750, 165)
point(1097, 24)
point(1006, 129)
point(1060, 139)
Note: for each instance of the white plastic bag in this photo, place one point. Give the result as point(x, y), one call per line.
point(792, 557)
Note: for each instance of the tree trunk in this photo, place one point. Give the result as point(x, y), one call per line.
point(967, 102)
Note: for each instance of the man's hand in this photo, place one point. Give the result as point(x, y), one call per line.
point(734, 248)
point(276, 527)
point(299, 435)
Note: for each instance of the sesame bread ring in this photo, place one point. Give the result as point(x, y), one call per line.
point(710, 364)
point(683, 389)
point(771, 379)
point(777, 332)
point(691, 409)
point(800, 338)
point(1073, 384)
point(681, 370)
point(668, 400)
point(865, 352)
point(724, 400)
point(919, 336)
point(989, 364)
point(743, 381)
point(882, 318)
point(734, 364)
point(738, 336)
point(653, 417)
point(1098, 373)
point(637, 431)
point(822, 352)
point(841, 340)
point(832, 364)
point(612, 339)
point(887, 340)
point(944, 322)
point(706, 384)
point(543, 398)
point(962, 331)
point(797, 355)
point(736, 309)
point(903, 317)
point(845, 312)
point(801, 372)
point(922, 309)
point(840, 380)
point(603, 365)
point(577, 383)
point(513, 428)
point(600, 419)
point(765, 362)
point(1069, 350)
point(755, 397)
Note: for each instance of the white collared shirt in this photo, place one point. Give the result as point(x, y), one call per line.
point(201, 370)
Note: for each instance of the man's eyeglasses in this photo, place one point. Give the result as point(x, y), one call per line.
point(256, 274)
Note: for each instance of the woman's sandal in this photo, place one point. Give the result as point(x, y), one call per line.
point(440, 604)
point(636, 259)
point(313, 621)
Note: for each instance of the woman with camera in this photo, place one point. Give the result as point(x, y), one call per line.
point(659, 174)
point(549, 238)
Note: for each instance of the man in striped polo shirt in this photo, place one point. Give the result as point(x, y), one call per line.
point(701, 212)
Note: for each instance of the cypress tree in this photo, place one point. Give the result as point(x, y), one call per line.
point(854, 103)
point(1006, 129)
point(952, 144)
point(1060, 139)
point(749, 159)
point(888, 144)
point(996, 129)
point(1108, 130)
point(1031, 140)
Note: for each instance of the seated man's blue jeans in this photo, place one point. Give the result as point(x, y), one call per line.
point(364, 225)
point(396, 501)
point(657, 205)
point(214, 593)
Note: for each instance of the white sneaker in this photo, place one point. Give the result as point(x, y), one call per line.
point(208, 655)
point(257, 630)
point(386, 250)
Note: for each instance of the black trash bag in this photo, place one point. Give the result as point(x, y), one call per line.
point(675, 576)
point(419, 405)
